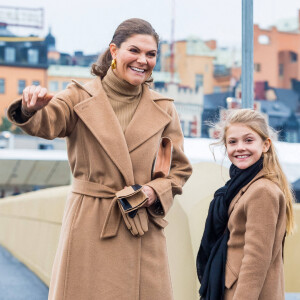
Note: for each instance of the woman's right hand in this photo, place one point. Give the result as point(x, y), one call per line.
point(35, 98)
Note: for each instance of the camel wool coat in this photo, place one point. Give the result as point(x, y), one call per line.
point(257, 225)
point(97, 256)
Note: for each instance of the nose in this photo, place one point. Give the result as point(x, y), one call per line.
point(142, 59)
point(240, 146)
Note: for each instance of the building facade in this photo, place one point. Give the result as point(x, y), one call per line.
point(193, 62)
point(23, 61)
point(189, 106)
point(276, 55)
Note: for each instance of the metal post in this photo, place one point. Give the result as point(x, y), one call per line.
point(172, 68)
point(247, 54)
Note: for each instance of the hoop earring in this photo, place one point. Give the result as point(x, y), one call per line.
point(113, 64)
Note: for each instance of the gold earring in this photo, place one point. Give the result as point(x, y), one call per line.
point(113, 64)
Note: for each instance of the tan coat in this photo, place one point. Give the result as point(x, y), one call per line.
point(103, 160)
point(257, 223)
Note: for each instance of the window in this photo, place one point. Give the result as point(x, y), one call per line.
point(281, 70)
point(199, 81)
point(21, 86)
point(257, 67)
point(264, 40)
point(65, 84)
point(53, 86)
point(36, 82)
point(10, 54)
point(33, 56)
point(293, 57)
point(2, 86)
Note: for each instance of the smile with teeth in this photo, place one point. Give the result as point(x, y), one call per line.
point(137, 69)
point(242, 156)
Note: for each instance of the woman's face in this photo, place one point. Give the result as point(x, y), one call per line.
point(135, 58)
point(244, 146)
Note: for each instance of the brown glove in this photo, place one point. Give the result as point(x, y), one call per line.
point(137, 225)
point(131, 198)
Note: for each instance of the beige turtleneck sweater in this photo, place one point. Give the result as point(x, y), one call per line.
point(123, 97)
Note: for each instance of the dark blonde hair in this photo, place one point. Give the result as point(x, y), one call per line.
point(124, 31)
point(258, 123)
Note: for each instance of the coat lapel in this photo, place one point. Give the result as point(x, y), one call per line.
point(242, 191)
point(98, 115)
point(148, 119)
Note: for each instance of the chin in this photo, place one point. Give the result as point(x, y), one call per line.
point(135, 82)
point(241, 166)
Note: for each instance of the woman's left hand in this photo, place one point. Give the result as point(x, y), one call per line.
point(150, 194)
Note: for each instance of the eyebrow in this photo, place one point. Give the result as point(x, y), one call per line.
point(245, 135)
point(154, 50)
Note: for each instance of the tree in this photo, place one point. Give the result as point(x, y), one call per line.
point(5, 125)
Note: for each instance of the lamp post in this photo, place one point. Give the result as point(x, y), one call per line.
point(247, 54)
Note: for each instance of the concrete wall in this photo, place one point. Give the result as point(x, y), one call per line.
point(30, 226)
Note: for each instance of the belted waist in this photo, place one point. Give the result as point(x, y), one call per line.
point(113, 217)
point(93, 189)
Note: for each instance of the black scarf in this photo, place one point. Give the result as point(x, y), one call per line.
point(211, 258)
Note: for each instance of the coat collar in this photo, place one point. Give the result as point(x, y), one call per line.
point(97, 114)
point(148, 119)
point(243, 190)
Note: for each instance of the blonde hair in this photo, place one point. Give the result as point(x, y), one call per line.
point(258, 123)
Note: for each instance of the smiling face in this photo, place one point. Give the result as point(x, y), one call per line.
point(244, 146)
point(135, 58)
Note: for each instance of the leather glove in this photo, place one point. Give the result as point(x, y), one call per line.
point(137, 225)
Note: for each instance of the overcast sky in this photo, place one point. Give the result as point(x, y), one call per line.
point(88, 25)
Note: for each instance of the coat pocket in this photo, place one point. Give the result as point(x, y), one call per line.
point(230, 276)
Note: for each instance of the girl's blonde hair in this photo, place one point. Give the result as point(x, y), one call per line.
point(258, 123)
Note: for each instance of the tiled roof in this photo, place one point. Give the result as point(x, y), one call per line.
point(216, 100)
point(289, 97)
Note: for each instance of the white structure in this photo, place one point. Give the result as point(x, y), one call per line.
point(189, 105)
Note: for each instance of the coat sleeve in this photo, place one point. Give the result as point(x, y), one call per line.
point(57, 119)
point(181, 169)
point(262, 212)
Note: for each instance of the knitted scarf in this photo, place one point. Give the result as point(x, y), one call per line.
point(211, 258)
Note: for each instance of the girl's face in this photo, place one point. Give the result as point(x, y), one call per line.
point(244, 146)
point(135, 58)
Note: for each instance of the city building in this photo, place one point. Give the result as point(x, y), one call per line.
point(193, 61)
point(23, 61)
point(60, 76)
point(189, 105)
point(276, 53)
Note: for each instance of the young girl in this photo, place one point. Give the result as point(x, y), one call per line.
point(241, 252)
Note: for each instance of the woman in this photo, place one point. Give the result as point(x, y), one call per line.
point(113, 126)
point(241, 252)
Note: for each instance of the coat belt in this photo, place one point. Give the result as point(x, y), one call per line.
point(113, 217)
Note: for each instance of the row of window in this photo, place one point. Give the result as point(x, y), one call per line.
point(10, 55)
point(21, 85)
point(257, 68)
point(54, 85)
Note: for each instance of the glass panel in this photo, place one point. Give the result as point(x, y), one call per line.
point(2, 86)
point(10, 54)
point(33, 56)
point(21, 86)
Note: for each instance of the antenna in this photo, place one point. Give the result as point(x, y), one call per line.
point(172, 69)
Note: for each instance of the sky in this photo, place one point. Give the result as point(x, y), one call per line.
point(88, 25)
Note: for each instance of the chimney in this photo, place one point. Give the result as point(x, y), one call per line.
point(212, 44)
